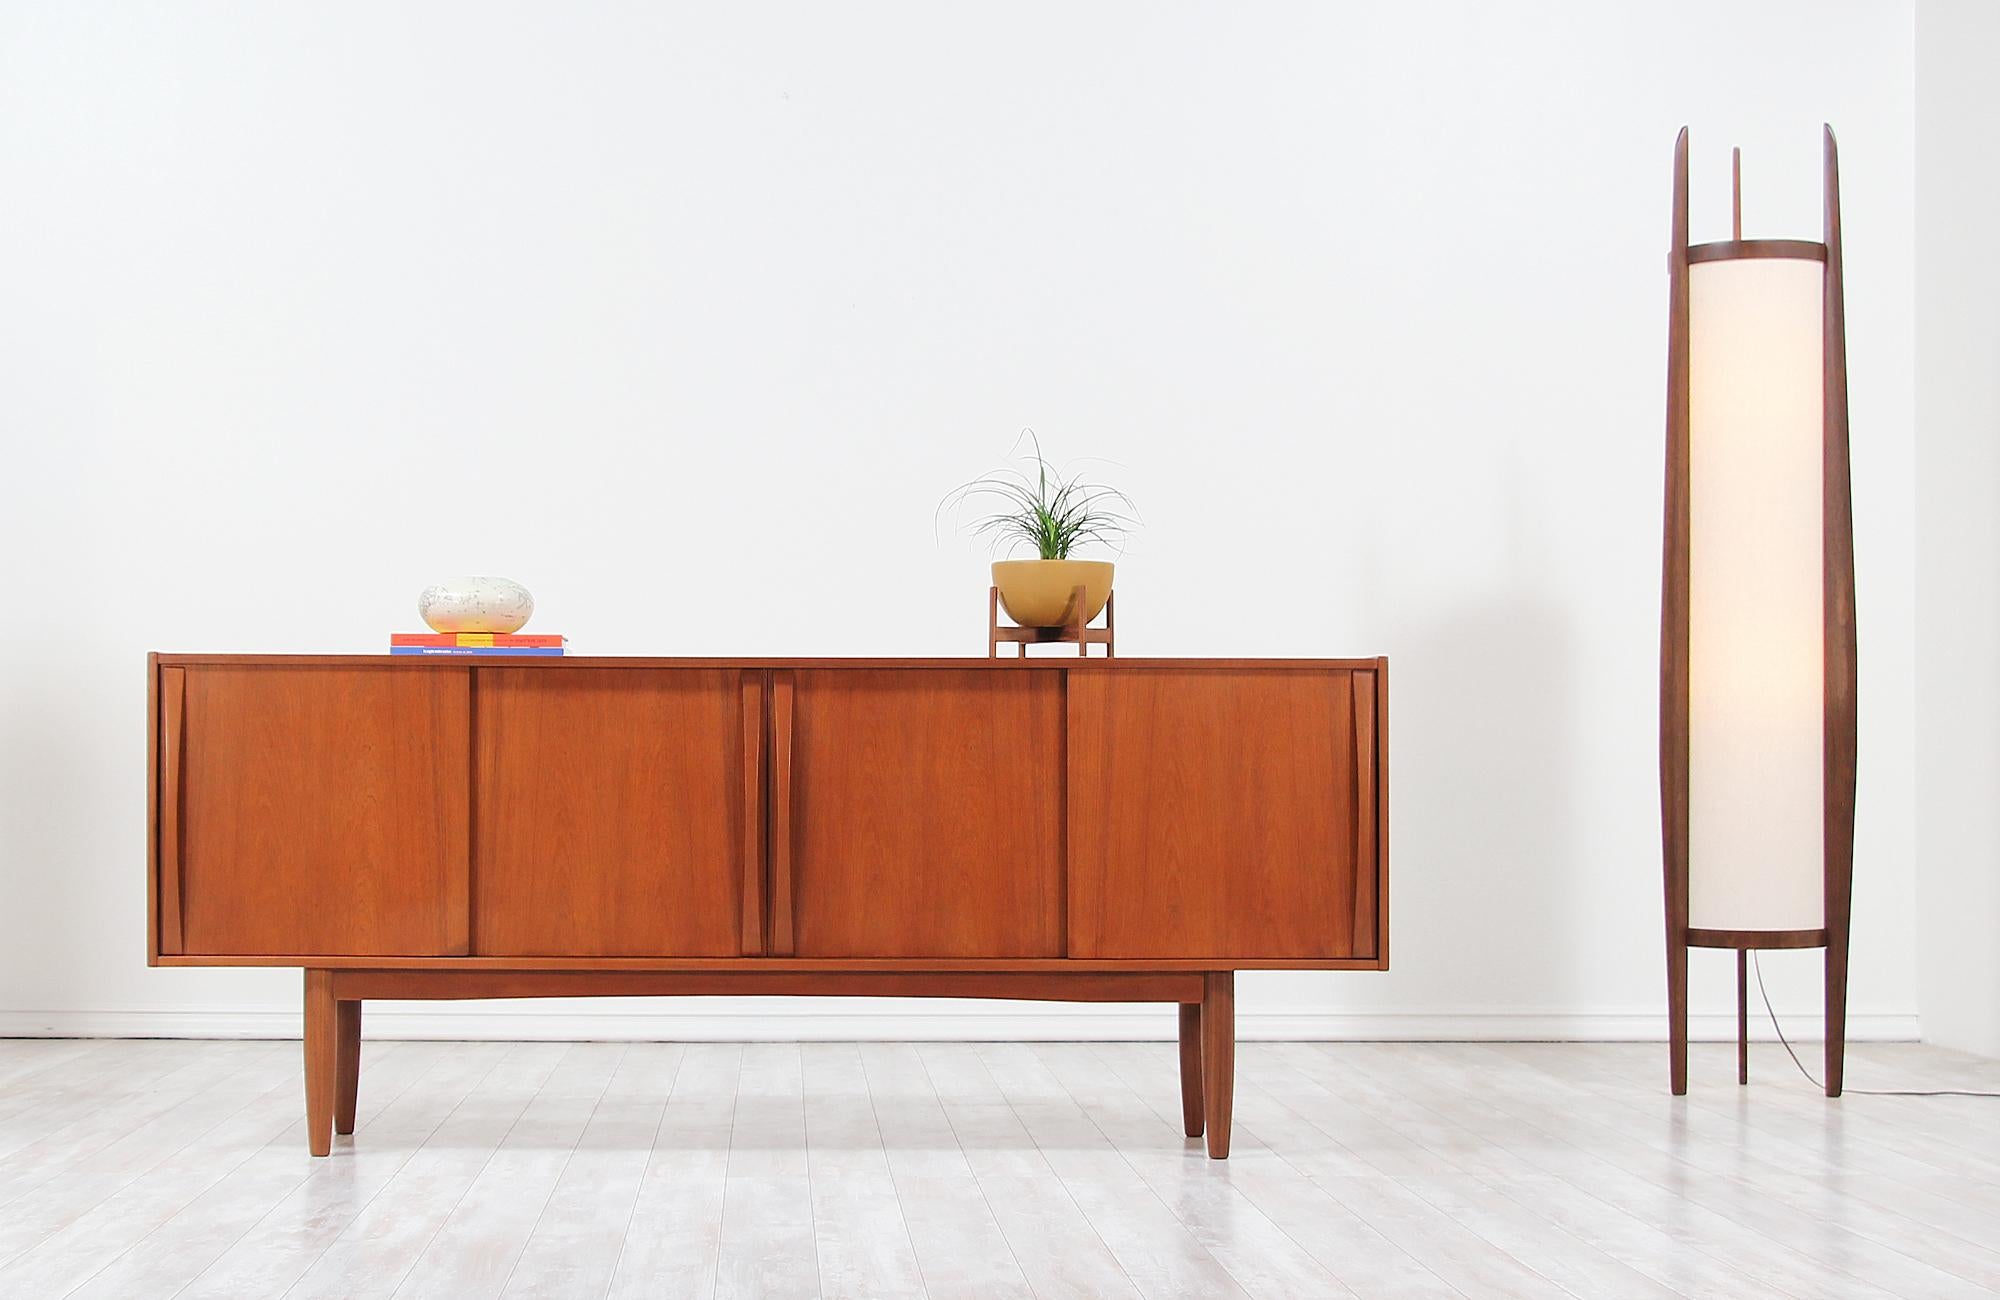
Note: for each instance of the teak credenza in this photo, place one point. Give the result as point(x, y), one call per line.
point(1117, 830)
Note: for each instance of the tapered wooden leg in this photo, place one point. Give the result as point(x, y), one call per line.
point(1218, 1059)
point(321, 1058)
point(1836, 1013)
point(347, 1060)
point(1742, 1016)
point(1191, 1068)
point(1677, 1016)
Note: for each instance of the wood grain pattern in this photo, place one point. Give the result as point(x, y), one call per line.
point(1736, 194)
point(153, 778)
point(1366, 939)
point(1840, 674)
point(611, 814)
point(926, 811)
point(170, 888)
point(753, 815)
point(1742, 1016)
point(1051, 986)
point(1377, 871)
point(1212, 815)
point(782, 815)
point(347, 1064)
point(321, 1063)
point(997, 964)
point(1764, 939)
point(1732, 250)
point(1218, 1060)
point(1192, 1116)
point(323, 810)
point(1674, 633)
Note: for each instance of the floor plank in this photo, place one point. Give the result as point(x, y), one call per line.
point(769, 1248)
point(863, 1241)
point(673, 1240)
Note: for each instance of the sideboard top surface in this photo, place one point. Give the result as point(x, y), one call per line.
point(557, 663)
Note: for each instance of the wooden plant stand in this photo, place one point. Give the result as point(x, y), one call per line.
point(1077, 631)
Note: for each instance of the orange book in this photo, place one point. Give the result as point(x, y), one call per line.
point(496, 640)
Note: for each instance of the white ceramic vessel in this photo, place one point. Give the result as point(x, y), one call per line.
point(475, 605)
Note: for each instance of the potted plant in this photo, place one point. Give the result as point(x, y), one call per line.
point(1041, 508)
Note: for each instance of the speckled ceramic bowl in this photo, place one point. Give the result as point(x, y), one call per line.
point(475, 605)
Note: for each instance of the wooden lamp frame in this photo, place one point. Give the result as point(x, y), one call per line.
point(1837, 640)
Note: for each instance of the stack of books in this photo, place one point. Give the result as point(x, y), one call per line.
point(474, 643)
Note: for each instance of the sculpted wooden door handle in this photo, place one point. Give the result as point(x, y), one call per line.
point(752, 697)
point(782, 942)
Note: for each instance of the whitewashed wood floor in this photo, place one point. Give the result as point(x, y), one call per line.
point(140, 1169)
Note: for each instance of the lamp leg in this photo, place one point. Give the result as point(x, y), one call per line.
point(1836, 1013)
point(1742, 1015)
point(1677, 1015)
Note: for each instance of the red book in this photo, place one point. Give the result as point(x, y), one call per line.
point(516, 640)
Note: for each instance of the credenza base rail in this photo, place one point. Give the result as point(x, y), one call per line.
point(1207, 1000)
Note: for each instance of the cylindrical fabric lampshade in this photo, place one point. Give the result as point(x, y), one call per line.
point(1756, 623)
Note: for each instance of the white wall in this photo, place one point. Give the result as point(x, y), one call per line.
point(656, 309)
point(1958, 538)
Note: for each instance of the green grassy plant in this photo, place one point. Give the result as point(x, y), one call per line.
point(1037, 505)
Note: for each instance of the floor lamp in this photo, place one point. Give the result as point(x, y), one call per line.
point(1757, 675)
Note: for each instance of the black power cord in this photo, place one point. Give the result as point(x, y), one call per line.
point(1866, 1092)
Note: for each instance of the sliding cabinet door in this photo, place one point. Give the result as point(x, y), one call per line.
point(618, 812)
point(1223, 813)
point(920, 813)
point(312, 810)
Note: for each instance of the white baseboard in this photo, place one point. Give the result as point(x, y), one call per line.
point(1059, 1023)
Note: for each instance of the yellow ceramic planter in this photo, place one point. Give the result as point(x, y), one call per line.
point(1036, 593)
